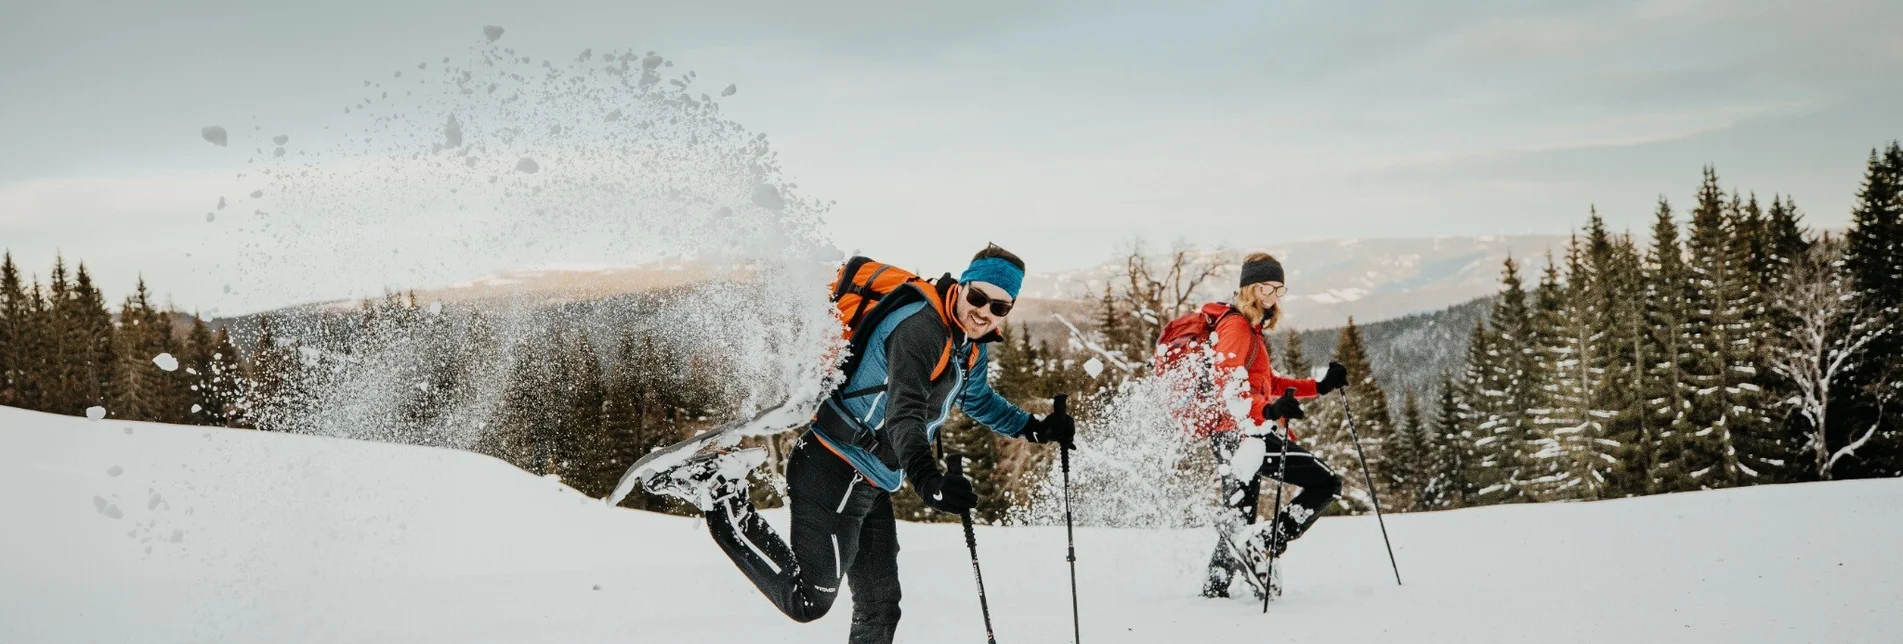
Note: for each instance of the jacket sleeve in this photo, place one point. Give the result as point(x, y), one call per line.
point(1304, 387)
point(984, 405)
point(912, 351)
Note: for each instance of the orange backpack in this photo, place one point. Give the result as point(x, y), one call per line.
point(867, 290)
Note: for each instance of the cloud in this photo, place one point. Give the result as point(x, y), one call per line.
point(1084, 123)
point(105, 203)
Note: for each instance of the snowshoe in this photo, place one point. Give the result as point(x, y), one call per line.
point(707, 477)
point(1253, 548)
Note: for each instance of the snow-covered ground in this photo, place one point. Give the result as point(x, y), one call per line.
point(115, 531)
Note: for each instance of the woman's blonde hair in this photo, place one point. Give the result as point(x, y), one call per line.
point(1250, 304)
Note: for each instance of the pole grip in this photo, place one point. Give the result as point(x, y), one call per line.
point(1060, 405)
point(955, 464)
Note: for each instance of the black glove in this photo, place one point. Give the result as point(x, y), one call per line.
point(1284, 408)
point(1058, 427)
point(947, 492)
point(1336, 378)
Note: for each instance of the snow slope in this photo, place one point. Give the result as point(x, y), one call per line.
point(133, 532)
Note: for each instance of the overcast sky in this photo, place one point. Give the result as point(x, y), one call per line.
point(1061, 130)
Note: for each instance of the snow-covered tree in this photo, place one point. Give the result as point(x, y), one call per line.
point(1714, 312)
point(1506, 393)
point(1450, 453)
point(1873, 258)
point(1624, 359)
point(1830, 335)
point(1573, 455)
point(1409, 457)
point(1666, 351)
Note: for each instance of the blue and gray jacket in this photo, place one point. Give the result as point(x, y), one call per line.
point(884, 418)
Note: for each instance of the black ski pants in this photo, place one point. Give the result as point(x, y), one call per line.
point(1241, 490)
point(842, 527)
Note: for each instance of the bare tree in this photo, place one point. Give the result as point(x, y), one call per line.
point(1829, 330)
point(1160, 289)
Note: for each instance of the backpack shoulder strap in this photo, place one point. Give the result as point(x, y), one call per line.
point(1229, 311)
point(939, 295)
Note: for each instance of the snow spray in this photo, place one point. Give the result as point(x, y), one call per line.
point(585, 166)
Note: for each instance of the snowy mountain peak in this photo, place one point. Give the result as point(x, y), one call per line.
point(1333, 279)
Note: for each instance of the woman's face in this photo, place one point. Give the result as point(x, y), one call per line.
point(1270, 292)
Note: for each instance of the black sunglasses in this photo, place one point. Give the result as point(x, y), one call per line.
point(978, 298)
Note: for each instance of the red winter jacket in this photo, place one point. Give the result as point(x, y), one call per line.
point(1237, 341)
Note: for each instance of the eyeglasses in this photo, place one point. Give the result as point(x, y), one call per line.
point(979, 299)
point(1278, 290)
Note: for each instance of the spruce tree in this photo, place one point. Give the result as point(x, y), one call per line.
point(1113, 325)
point(1550, 421)
point(1015, 362)
point(33, 372)
point(1873, 260)
point(195, 363)
point(1451, 452)
point(431, 381)
point(1667, 351)
point(520, 431)
point(1630, 435)
point(92, 332)
point(13, 329)
point(141, 380)
point(587, 395)
point(1506, 391)
point(60, 389)
point(1764, 453)
point(621, 418)
point(1373, 422)
point(1573, 447)
point(172, 398)
point(549, 425)
point(1786, 243)
point(1408, 457)
point(1293, 362)
point(279, 397)
point(1716, 306)
point(224, 387)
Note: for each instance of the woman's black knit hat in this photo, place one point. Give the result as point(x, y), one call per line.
point(1261, 270)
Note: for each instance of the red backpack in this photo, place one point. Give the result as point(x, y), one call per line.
point(1188, 335)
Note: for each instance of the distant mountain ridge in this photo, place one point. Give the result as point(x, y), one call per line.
point(1331, 280)
point(1416, 300)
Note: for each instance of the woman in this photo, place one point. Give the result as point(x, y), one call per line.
point(1235, 335)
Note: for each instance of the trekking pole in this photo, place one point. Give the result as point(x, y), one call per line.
point(1347, 403)
point(955, 466)
point(1275, 518)
point(1058, 404)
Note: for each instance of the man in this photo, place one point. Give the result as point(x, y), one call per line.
point(924, 355)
